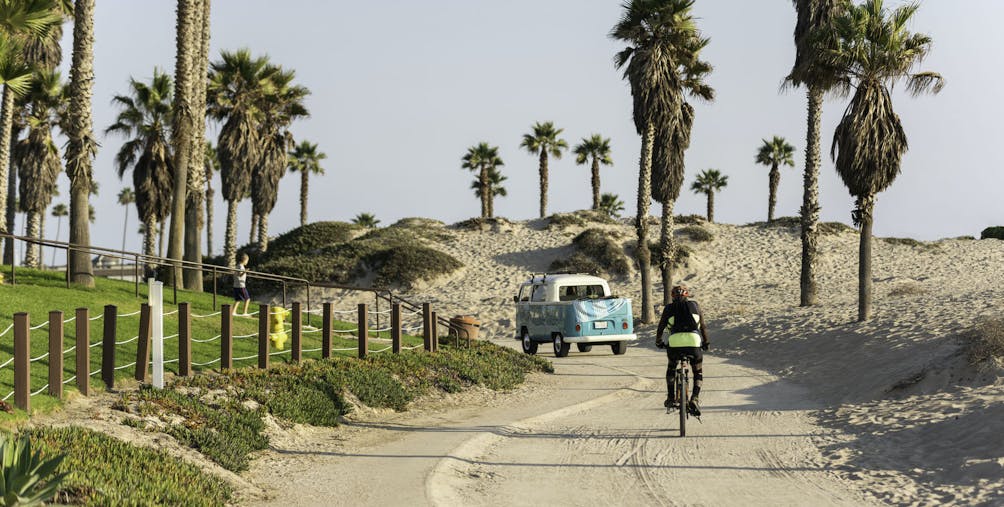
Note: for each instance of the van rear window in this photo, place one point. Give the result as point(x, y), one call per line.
point(573, 292)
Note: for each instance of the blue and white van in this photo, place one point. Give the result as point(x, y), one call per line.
point(572, 308)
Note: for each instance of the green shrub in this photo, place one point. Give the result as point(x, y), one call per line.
point(907, 289)
point(404, 267)
point(779, 222)
point(992, 233)
point(910, 242)
point(107, 471)
point(689, 219)
point(985, 341)
point(696, 233)
point(834, 228)
point(580, 218)
point(417, 222)
point(683, 253)
point(28, 478)
point(309, 239)
point(596, 252)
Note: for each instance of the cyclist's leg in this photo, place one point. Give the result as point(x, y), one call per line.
point(671, 376)
point(697, 364)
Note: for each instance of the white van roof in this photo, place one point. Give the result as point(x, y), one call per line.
point(567, 279)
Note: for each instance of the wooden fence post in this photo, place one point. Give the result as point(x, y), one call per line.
point(83, 325)
point(326, 331)
point(395, 328)
point(427, 326)
point(364, 332)
point(435, 332)
point(143, 343)
point(56, 354)
point(263, 336)
point(22, 361)
point(184, 339)
point(297, 324)
point(226, 338)
point(108, 346)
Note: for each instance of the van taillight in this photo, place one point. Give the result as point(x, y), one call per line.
point(578, 328)
point(624, 324)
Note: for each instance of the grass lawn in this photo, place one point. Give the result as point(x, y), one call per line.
point(39, 292)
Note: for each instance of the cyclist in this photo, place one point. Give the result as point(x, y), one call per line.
point(688, 336)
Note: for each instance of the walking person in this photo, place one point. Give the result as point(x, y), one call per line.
point(240, 286)
point(688, 338)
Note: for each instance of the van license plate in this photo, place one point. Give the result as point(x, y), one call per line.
point(599, 325)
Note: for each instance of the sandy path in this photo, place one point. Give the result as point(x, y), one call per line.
point(593, 433)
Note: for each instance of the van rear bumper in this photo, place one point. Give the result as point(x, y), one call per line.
point(601, 338)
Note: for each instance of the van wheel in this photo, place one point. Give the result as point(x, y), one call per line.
point(583, 347)
point(560, 347)
point(619, 348)
point(529, 346)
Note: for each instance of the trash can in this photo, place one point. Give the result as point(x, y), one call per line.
point(464, 327)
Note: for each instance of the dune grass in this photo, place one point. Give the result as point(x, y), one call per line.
point(38, 292)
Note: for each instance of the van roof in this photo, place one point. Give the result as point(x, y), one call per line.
point(566, 278)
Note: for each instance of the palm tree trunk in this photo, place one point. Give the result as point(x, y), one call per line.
point(491, 204)
point(254, 228)
point(810, 199)
point(125, 226)
point(667, 247)
point(866, 206)
point(149, 247)
point(31, 258)
point(59, 222)
point(303, 196)
point(483, 181)
point(81, 145)
point(263, 232)
point(596, 183)
point(197, 167)
point(209, 219)
point(41, 236)
point(6, 175)
point(775, 179)
point(8, 249)
point(711, 206)
point(641, 222)
point(160, 243)
point(182, 131)
point(230, 241)
point(543, 182)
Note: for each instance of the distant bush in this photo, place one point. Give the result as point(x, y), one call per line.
point(309, 239)
point(833, 228)
point(779, 222)
point(907, 289)
point(480, 224)
point(405, 267)
point(910, 242)
point(992, 233)
point(985, 341)
point(965, 238)
point(418, 222)
point(682, 257)
point(581, 218)
point(596, 252)
point(689, 219)
point(696, 233)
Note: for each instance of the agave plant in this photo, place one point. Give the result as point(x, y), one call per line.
point(27, 478)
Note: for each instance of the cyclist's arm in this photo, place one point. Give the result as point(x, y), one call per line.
point(705, 341)
point(663, 320)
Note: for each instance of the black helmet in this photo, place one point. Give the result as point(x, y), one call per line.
point(680, 291)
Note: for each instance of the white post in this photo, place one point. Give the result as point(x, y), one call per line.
point(157, 331)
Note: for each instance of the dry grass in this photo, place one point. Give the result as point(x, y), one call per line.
point(986, 342)
point(907, 289)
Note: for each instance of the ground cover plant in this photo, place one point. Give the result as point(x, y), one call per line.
point(596, 251)
point(985, 342)
point(103, 470)
point(220, 414)
point(38, 292)
point(696, 233)
point(992, 233)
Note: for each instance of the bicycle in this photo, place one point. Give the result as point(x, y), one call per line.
point(682, 376)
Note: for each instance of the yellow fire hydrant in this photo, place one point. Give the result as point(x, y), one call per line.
point(276, 326)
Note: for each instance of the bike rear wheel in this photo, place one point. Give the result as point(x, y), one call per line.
point(681, 395)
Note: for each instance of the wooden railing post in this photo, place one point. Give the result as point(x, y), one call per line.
point(427, 326)
point(395, 328)
point(326, 331)
point(184, 339)
point(83, 328)
point(297, 345)
point(22, 361)
point(364, 332)
point(263, 336)
point(226, 338)
point(435, 332)
point(108, 346)
point(143, 343)
point(56, 354)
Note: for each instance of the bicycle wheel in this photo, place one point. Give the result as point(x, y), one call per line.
point(681, 394)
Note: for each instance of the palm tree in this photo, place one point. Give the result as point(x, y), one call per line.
point(188, 42)
point(811, 71)
point(483, 158)
point(37, 156)
point(544, 141)
point(774, 153)
point(709, 182)
point(197, 165)
point(144, 119)
point(597, 149)
point(494, 188)
point(212, 166)
point(237, 83)
point(611, 205)
point(126, 197)
point(875, 49)
point(661, 36)
point(21, 24)
point(59, 211)
point(306, 160)
point(81, 146)
point(282, 104)
point(367, 220)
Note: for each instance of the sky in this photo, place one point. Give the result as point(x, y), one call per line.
point(400, 89)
